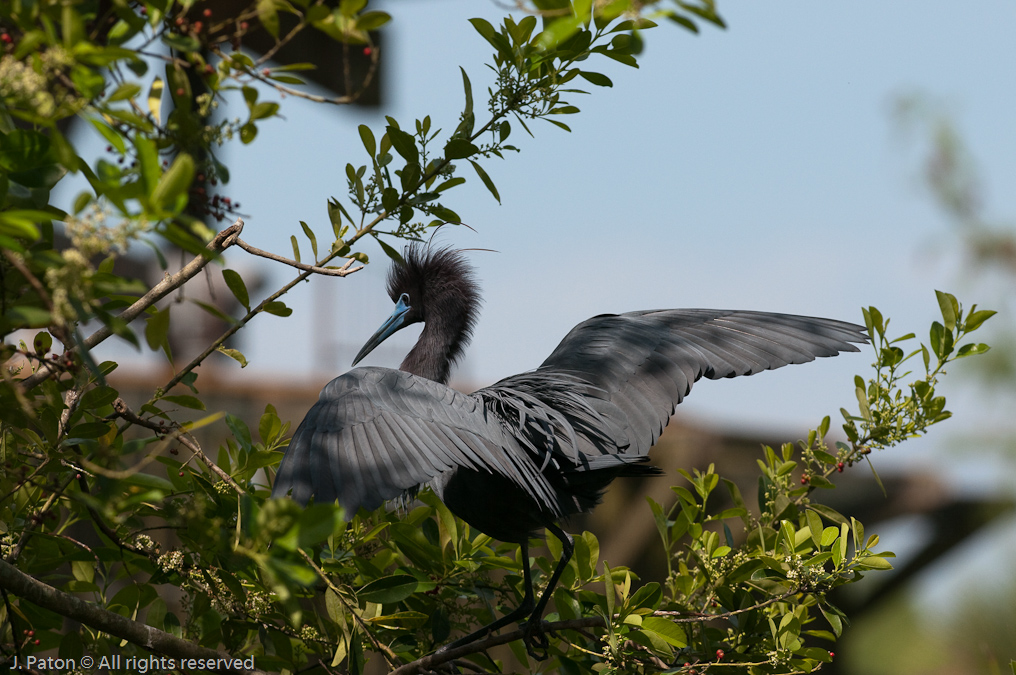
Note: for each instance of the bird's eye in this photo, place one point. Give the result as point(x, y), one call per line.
point(404, 298)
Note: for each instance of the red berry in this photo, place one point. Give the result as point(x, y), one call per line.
point(209, 69)
point(839, 467)
point(719, 654)
point(198, 26)
point(144, 10)
point(179, 21)
point(804, 479)
point(181, 473)
point(6, 38)
point(207, 13)
point(31, 633)
point(244, 25)
point(37, 642)
point(180, 91)
point(266, 72)
point(367, 51)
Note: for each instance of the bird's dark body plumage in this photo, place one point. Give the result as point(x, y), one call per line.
point(537, 447)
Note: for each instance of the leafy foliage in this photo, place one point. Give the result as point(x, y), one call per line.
point(123, 509)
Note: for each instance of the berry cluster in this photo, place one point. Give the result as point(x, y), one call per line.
point(214, 206)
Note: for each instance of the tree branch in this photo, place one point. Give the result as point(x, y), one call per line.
point(327, 271)
point(221, 242)
point(160, 642)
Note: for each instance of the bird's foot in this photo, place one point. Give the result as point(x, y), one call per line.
point(535, 639)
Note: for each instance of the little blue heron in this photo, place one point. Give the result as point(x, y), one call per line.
point(522, 454)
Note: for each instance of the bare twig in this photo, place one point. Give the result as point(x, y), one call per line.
point(328, 271)
point(179, 434)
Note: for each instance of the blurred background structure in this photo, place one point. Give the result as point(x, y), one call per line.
point(813, 158)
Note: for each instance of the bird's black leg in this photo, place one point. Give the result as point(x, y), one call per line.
point(522, 610)
point(535, 638)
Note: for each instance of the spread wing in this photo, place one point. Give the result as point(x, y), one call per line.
point(376, 433)
point(640, 365)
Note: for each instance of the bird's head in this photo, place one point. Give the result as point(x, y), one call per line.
point(435, 286)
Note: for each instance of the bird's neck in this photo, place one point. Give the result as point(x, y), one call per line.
point(439, 345)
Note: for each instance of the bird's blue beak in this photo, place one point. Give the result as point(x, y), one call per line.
point(395, 322)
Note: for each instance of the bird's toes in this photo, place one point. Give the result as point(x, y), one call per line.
point(536, 641)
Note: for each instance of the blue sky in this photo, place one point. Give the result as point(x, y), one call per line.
point(754, 168)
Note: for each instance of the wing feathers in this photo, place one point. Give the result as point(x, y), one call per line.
point(607, 389)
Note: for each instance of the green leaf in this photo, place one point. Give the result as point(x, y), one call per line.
point(157, 331)
point(975, 319)
point(367, 137)
point(20, 224)
point(950, 309)
point(268, 15)
point(404, 144)
point(124, 91)
point(486, 180)
point(459, 148)
point(22, 149)
point(111, 136)
point(972, 349)
point(875, 562)
point(310, 235)
point(669, 631)
point(42, 342)
point(247, 133)
point(388, 589)
point(484, 28)
point(390, 252)
point(598, 79)
point(465, 128)
point(236, 285)
point(155, 99)
point(171, 192)
point(98, 397)
point(186, 401)
point(372, 21)
point(277, 308)
point(264, 110)
point(235, 355)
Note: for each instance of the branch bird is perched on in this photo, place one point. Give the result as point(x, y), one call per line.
point(518, 456)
